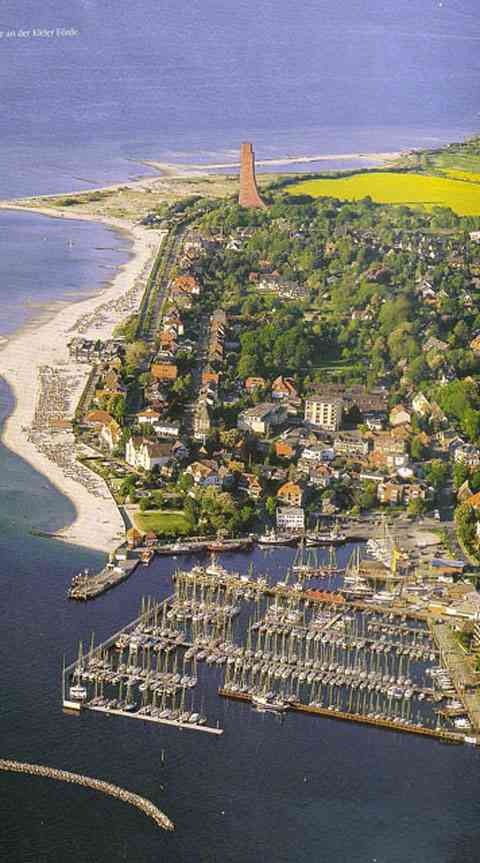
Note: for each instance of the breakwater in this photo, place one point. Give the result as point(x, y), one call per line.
point(141, 803)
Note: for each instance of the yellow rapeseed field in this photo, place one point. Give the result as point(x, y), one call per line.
point(388, 187)
point(469, 176)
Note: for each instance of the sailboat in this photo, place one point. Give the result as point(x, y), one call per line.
point(331, 537)
point(332, 568)
point(305, 564)
point(77, 692)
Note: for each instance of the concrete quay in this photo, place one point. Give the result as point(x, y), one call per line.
point(439, 734)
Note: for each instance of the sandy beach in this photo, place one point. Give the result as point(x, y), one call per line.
point(47, 384)
point(186, 169)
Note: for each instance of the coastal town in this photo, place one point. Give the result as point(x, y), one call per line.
point(285, 371)
point(240, 432)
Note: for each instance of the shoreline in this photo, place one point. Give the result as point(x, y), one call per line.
point(37, 354)
point(167, 168)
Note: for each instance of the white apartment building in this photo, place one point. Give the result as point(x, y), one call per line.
point(325, 414)
point(291, 518)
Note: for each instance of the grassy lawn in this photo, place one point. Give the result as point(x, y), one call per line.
point(462, 162)
point(162, 522)
point(333, 366)
point(388, 187)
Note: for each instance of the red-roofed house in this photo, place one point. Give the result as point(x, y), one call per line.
point(284, 388)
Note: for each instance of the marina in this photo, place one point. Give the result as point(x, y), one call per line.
point(281, 646)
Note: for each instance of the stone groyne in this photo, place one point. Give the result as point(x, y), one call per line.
point(141, 803)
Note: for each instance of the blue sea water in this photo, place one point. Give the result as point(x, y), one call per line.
point(47, 261)
point(188, 80)
point(182, 81)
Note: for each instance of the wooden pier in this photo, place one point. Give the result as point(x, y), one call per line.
point(439, 734)
point(146, 718)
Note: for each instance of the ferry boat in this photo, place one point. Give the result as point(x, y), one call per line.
point(331, 537)
point(176, 548)
point(273, 538)
point(228, 544)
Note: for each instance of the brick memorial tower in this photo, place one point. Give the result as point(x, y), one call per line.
point(248, 196)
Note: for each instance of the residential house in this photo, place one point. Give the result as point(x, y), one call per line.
point(97, 419)
point(290, 518)
point(168, 341)
point(251, 384)
point(149, 416)
point(111, 435)
point(413, 491)
point(284, 449)
point(202, 424)
point(320, 475)
point(399, 416)
point(435, 345)
point(164, 371)
point(204, 473)
point(284, 388)
point(421, 405)
point(292, 493)
point(475, 345)
point(210, 377)
point(147, 454)
point(188, 284)
point(389, 451)
point(261, 418)
point(172, 320)
point(389, 492)
point(374, 420)
point(467, 454)
point(251, 485)
point(318, 453)
point(351, 444)
point(179, 450)
point(167, 428)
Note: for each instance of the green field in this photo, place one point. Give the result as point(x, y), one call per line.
point(162, 522)
point(388, 187)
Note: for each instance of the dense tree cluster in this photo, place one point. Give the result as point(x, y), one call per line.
point(361, 268)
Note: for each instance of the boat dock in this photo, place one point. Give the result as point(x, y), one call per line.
point(147, 718)
point(87, 586)
point(144, 671)
point(440, 734)
point(282, 648)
